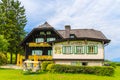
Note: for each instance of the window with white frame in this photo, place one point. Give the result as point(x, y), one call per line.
point(72, 36)
point(50, 39)
point(49, 52)
point(76, 63)
point(48, 32)
point(67, 49)
point(79, 49)
point(37, 52)
point(92, 49)
point(37, 40)
point(42, 33)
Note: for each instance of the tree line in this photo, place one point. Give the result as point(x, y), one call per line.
point(12, 24)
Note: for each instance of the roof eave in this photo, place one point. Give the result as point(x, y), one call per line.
point(82, 38)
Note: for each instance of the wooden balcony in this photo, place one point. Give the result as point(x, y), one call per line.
point(42, 44)
point(44, 57)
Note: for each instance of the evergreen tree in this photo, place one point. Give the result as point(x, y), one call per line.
point(12, 23)
point(3, 44)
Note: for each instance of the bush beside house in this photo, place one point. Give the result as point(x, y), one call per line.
point(45, 64)
point(104, 71)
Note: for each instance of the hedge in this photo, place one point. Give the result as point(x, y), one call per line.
point(45, 64)
point(104, 70)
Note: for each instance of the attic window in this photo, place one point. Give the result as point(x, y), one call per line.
point(72, 36)
point(42, 33)
point(48, 32)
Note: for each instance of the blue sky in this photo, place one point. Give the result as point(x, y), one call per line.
point(103, 15)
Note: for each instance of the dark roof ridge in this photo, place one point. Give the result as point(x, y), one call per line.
point(45, 25)
point(86, 29)
point(80, 29)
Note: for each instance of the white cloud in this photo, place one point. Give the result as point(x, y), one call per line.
point(103, 15)
point(90, 14)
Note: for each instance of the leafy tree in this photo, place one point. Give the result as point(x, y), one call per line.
point(12, 23)
point(3, 44)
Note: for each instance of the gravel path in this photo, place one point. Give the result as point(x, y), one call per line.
point(12, 66)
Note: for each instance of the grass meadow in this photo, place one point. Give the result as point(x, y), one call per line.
point(11, 74)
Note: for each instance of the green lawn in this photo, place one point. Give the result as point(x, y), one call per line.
point(10, 74)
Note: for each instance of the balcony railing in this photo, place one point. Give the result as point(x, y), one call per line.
point(41, 44)
point(44, 57)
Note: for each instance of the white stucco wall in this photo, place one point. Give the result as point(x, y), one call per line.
point(99, 55)
point(90, 63)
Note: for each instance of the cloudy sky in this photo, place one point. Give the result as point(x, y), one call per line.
point(103, 15)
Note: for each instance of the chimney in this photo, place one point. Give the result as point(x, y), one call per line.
point(67, 31)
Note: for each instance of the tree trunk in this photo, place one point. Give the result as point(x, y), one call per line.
point(15, 58)
point(10, 58)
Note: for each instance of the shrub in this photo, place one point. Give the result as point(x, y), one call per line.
point(49, 67)
point(3, 59)
point(45, 64)
point(117, 63)
point(113, 64)
point(104, 71)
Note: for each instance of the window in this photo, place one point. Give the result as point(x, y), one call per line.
point(73, 63)
point(50, 39)
point(76, 63)
point(37, 40)
point(42, 33)
point(79, 49)
point(72, 36)
point(84, 63)
point(67, 49)
point(49, 52)
point(36, 52)
point(48, 32)
point(92, 49)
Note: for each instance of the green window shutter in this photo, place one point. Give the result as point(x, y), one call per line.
point(51, 52)
point(87, 50)
point(71, 51)
point(33, 52)
point(63, 49)
point(83, 50)
point(48, 52)
point(48, 39)
point(75, 50)
point(96, 49)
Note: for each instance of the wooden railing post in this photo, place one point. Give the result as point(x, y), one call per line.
point(35, 59)
point(18, 59)
point(21, 60)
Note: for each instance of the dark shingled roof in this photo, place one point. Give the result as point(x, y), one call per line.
point(88, 33)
